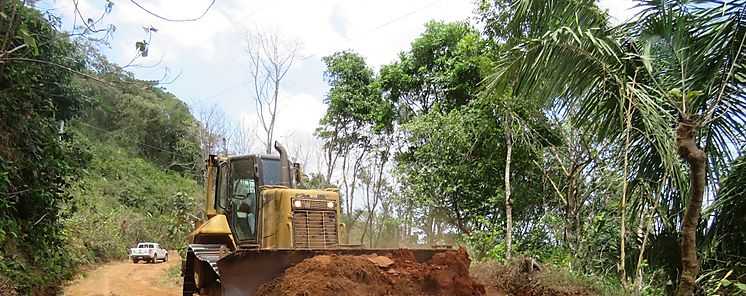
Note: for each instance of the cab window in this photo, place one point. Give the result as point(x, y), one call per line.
point(244, 200)
point(214, 192)
point(222, 190)
point(271, 172)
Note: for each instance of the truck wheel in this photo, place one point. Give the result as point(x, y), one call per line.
point(155, 259)
point(134, 260)
point(165, 259)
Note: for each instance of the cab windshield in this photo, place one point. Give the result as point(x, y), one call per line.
point(243, 199)
point(271, 172)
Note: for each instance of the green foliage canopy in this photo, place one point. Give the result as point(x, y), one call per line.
point(35, 165)
point(441, 71)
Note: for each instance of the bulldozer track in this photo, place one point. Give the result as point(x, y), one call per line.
point(202, 254)
point(209, 253)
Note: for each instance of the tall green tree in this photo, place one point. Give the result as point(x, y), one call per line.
point(456, 174)
point(354, 125)
point(37, 96)
point(678, 63)
point(440, 72)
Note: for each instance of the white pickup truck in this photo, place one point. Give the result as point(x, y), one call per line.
point(149, 252)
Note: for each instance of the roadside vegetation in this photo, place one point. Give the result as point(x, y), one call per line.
point(124, 169)
point(607, 150)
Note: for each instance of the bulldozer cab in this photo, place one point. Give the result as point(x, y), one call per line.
point(239, 183)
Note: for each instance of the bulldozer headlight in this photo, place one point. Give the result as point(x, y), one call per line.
point(297, 204)
point(330, 204)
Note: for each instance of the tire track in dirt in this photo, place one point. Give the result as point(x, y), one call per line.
point(127, 278)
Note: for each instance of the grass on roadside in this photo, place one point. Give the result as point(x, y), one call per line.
point(510, 279)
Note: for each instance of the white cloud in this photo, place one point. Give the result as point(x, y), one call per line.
point(174, 39)
point(301, 113)
point(619, 10)
point(379, 30)
point(298, 115)
point(339, 22)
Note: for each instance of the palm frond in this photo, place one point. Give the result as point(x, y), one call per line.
point(699, 49)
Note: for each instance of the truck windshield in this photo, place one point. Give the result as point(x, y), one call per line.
point(271, 172)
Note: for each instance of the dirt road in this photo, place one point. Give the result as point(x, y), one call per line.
point(126, 278)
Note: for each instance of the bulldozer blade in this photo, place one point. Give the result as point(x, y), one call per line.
point(243, 271)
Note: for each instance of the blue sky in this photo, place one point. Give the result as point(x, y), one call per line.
point(209, 53)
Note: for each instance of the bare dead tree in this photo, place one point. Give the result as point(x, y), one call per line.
point(213, 128)
point(242, 138)
point(304, 150)
point(270, 57)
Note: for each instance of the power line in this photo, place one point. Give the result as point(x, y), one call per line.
point(205, 41)
point(174, 20)
point(227, 90)
point(128, 139)
point(377, 28)
point(232, 88)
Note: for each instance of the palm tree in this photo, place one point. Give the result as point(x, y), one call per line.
point(679, 66)
point(727, 233)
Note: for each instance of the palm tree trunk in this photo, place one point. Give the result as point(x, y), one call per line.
point(696, 159)
point(508, 201)
point(623, 207)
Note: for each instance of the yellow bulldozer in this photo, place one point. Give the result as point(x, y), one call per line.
point(259, 222)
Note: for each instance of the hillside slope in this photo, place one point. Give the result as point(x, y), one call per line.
point(123, 199)
point(126, 168)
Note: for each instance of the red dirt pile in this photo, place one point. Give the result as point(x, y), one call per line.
point(447, 273)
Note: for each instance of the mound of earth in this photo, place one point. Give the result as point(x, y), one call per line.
point(396, 273)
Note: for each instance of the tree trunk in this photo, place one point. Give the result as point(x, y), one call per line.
point(508, 201)
point(695, 158)
point(331, 158)
point(349, 194)
point(570, 210)
point(623, 206)
point(648, 223)
point(377, 196)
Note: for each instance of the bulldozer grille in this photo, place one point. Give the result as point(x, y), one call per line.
point(316, 204)
point(314, 229)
